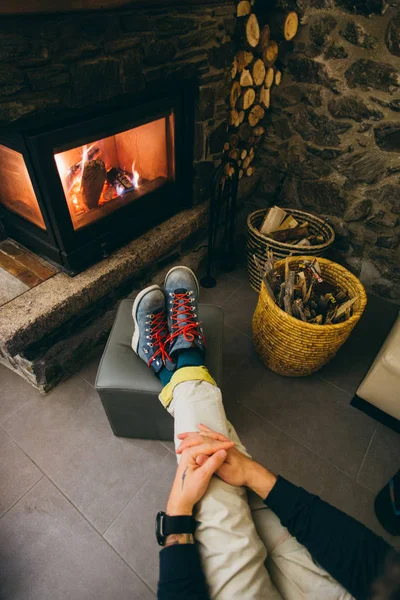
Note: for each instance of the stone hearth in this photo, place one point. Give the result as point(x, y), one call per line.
point(49, 331)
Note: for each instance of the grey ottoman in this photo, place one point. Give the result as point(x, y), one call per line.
point(129, 389)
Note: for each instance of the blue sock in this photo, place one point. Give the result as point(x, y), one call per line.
point(165, 375)
point(192, 357)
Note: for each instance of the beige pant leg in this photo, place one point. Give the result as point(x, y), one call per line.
point(290, 565)
point(231, 552)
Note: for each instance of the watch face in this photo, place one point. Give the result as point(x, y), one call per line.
point(159, 528)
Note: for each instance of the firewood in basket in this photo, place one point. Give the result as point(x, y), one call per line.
point(272, 220)
point(93, 178)
point(297, 309)
point(264, 278)
point(289, 223)
point(281, 295)
point(287, 235)
point(341, 310)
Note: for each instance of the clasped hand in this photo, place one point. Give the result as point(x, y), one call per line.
point(205, 453)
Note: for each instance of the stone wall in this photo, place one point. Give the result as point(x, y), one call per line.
point(56, 65)
point(333, 137)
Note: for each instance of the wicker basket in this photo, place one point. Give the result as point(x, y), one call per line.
point(258, 243)
point(291, 347)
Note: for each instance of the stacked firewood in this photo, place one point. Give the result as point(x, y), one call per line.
point(304, 294)
point(283, 227)
point(253, 74)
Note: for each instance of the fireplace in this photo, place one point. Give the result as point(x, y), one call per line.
point(75, 191)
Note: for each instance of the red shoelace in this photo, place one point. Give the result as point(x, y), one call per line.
point(183, 320)
point(159, 334)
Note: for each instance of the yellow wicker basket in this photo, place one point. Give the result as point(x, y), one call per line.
point(292, 347)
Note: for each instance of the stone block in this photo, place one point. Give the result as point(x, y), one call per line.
point(218, 138)
point(382, 218)
point(364, 167)
point(351, 107)
point(205, 104)
point(122, 42)
point(335, 51)
point(309, 71)
point(372, 74)
point(11, 80)
point(388, 195)
point(289, 95)
point(356, 35)
point(325, 153)
point(393, 35)
point(388, 241)
point(204, 172)
point(221, 56)
point(320, 30)
point(175, 25)
point(13, 46)
point(317, 128)
point(49, 76)
point(322, 196)
point(160, 52)
point(358, 210)
point(363, 7)
point(132, 78)
point(387, 136)
point(201, 37)
point(95, 80)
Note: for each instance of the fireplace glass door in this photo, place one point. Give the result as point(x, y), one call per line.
point(16, 190)
point(107, 174)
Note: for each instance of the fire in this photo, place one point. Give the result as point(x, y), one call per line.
point(135, 176)
point(117, 181)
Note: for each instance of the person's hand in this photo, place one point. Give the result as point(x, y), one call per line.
point(237, 469)
point(192, 478)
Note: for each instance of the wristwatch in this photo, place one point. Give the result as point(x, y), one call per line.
point(166, 525)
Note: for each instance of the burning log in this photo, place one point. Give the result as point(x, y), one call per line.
point(73, 172)
point(93, 178)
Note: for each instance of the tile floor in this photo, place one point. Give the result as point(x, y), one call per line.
point(77, 505)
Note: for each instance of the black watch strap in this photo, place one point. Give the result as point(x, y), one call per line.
point(183, 524)
point(166, 525)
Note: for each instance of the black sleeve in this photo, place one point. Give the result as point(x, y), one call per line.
point(350, 552)
point(181, 575)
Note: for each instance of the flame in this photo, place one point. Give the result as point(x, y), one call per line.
point(135, 176)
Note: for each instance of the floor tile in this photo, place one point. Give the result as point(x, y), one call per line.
point(68, 435)
point(225, 287)
point(239, 309)
point(237, 346)
point(282, 454)
point(89, 370)
point(17, 472)
point(10, 287)
point(14, 392)
point(353, 360)
point(315, 413)
point(50, 551)
point(382, 460)
point(131, 534)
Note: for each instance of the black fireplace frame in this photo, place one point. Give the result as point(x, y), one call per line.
point(75, 250)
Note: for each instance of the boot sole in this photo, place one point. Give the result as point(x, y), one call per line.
point(139, 297)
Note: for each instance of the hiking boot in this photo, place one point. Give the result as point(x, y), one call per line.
point(151, 329)
point(181, 293)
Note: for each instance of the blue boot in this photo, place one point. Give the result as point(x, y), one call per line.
point(181, 292)
point(151, 329)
